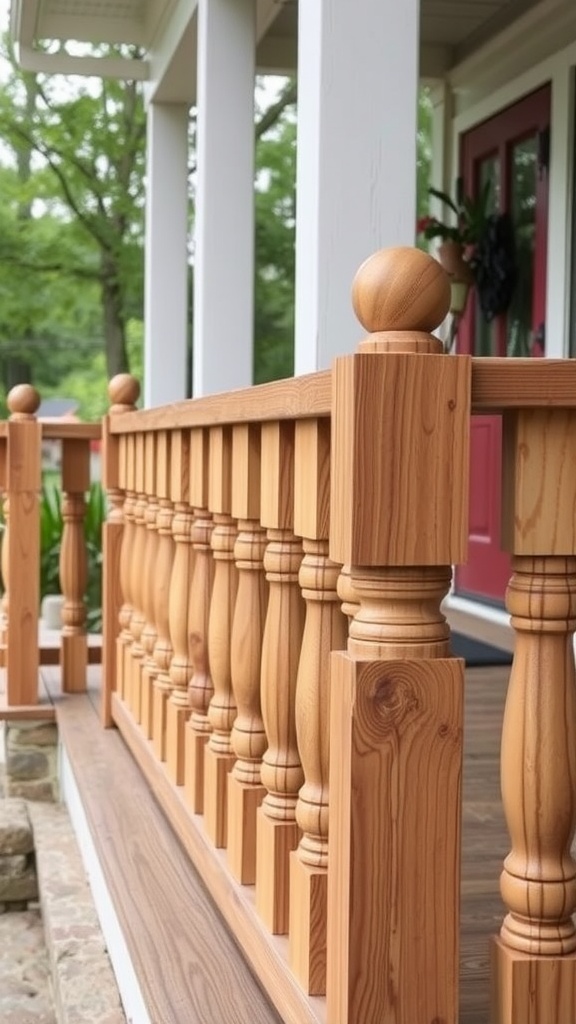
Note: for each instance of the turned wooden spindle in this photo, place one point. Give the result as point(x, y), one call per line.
point(162, 684)
point(181, 666)
point(325, 630)
point(346, 593)
point(123, 392)
point(149, 633)
point(126, 472)
point(245, 789)
point(399, 491)
point(74, 564)
point(220, 757)
point(534, 958)
point(23, 482)
point(277, 831)
point(200, 690)
point(138, 618)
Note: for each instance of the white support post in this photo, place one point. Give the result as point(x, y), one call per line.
point(357, 123)
point(224, 231)
point(166, 260)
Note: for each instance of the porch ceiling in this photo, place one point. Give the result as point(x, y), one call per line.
point(450, 31)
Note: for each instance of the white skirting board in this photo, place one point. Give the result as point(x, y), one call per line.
point(130, 992)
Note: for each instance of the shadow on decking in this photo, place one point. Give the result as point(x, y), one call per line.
point(485, 842)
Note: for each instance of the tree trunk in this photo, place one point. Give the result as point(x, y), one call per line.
point(114, 323)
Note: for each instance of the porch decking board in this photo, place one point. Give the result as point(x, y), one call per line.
point(125, 826)
point(189, 974)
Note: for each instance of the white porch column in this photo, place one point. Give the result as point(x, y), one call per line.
point(356, 176)
point(166, 260)
point(224, 235)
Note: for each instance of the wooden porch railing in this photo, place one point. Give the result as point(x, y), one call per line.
point(21, 438)
point(276, 658)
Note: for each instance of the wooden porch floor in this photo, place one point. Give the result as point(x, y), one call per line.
point(484, 836)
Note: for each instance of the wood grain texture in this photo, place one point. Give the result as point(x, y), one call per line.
point(281, 772)
point(149, 633)
point(162, 685)
point(112, 532)
point(405, 501)
point(219, 756)
point(248, 737)
point(191, 972)
point(394, 854)
point(74, 564)
point(200, 689)
point(277, 479)
point(533, 990)
point(499, 384)
point(325, 630)
point(23, 484)
point(539, 475)
point(290, 399)
point(71, 431)
point(538, 883)
point(312, 479)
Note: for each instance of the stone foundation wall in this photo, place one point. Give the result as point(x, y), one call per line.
point(18, 882)
point(31, 760)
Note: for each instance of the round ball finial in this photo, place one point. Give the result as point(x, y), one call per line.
point(124, 392)
point(23, 401)
point(401, 289)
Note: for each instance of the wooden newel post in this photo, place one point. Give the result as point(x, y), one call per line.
point(123, 391)
point(399, 496)
point(23, 543)
point(534, 959)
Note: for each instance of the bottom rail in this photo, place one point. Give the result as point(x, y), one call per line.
point(267, 954)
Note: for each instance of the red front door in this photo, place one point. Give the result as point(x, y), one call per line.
point(511, 151)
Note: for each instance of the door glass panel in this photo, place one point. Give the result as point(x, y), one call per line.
point(523, 183)
point(485, 333)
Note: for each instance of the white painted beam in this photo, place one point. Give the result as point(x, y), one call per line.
point(224, 228)
point(357, 123)
point(166, 261)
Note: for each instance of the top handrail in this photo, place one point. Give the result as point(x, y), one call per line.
point(497, 384)
point(293, 398)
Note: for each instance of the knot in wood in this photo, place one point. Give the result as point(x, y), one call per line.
point(123, 392)
point(23, 402)
point(401, 289)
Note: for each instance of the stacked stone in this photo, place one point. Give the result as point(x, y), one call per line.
point(31, 760)
point(18, 882)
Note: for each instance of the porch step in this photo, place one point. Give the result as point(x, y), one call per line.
point(174, 959)
point(83, 983)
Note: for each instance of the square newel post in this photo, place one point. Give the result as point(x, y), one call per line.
point(399, 497)
point(23, 542)
point(534, 957)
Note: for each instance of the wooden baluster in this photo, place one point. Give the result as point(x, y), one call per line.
point(138, 618)
point(149, 633)
point(23, 487)
point(277, 831)
point(74, 565)
point(219, 757)
point(399, 489)
point(164, 562)
point(534, 959)
point(123, 391)
point(325, 630)
point(179, 608)
point(346, 593)
point(200, 690)
point(126, 478)
point(245, 789)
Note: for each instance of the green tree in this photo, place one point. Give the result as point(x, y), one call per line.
point(83, 144)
